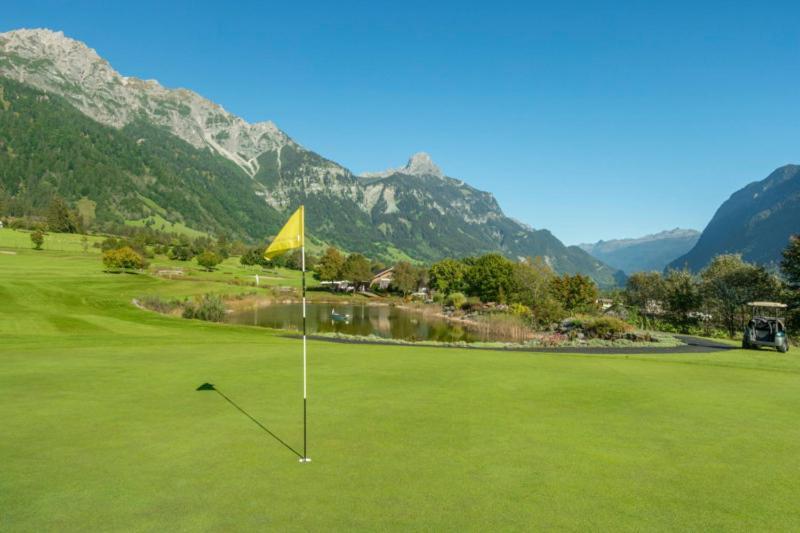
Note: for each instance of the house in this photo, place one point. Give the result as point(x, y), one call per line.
point(338, 286)
point(604, 303)
point(382, 279)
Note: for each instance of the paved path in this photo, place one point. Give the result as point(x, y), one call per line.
point(691, 345)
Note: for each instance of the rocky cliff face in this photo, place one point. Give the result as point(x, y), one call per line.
point(414, 211)
point(52, 62)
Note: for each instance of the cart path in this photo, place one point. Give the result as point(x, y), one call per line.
point(691, 345)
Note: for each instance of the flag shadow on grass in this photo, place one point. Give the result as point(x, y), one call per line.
point(211, 387)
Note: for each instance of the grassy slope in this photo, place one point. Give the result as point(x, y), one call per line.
point(162, 224)
point(103, 430)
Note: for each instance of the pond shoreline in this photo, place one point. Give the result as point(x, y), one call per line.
point(691, 345)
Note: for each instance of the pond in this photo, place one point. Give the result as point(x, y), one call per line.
point(389, 322)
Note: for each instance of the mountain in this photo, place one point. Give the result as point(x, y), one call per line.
point(755, 221)
point(70, 124)
point(644, 254)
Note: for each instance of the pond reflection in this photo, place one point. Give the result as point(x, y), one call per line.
point(385, 321)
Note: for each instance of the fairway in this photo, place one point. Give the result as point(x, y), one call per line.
point(103, 429)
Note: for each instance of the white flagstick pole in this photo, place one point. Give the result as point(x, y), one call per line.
point(305, 458)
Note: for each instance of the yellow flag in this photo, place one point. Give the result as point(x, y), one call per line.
point(290, 237)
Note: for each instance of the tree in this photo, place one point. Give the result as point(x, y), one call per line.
point(181, 252)
point(532, 288)
point(124, 258)
point(729, 283)
point(356, 269)
point(329, 267)
point(223, 247)
point(532, 280)
point(790, 267)
point(575, 292)
point(254, 256)
point(37, 238)
point(645, 291)
point(208, 260)
point(60, 219)
point(405, 277)
point(447, 276)
point(85, 243)
point(681, 294)
point(490, 278)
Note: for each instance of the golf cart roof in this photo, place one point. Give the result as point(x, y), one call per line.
point(775, 305)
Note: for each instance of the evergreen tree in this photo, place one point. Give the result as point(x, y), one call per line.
point(60, 219)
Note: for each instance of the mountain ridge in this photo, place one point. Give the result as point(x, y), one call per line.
point(414, 211)
point(643, 254)
point(755, 221)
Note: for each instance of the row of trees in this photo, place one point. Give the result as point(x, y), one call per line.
point(531, 284)
point(55, 216)
point(718, 296)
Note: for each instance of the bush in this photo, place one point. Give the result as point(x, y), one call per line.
point(599, 327)
point(208, 260)
point(158, 304)
point(548, 311)
point(519, 310)
point(37, 238)
point(456, 299)
point(124, 258)
point(180, 252)
point(208, 307)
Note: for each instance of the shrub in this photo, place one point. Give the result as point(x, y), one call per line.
point(456, 299)
point(519, 310)
point(124, 258)
point(548, 311)
point(158, 304)
point(208, 307)
point(599, 327)
point(208, 260)
point(180, 252)
point(37, 238)
point(112, 243)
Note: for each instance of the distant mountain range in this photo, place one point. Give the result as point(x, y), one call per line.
point(644, 254)
point(136, 151)
point(755, 221)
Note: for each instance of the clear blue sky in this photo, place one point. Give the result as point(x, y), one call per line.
point(594, 120)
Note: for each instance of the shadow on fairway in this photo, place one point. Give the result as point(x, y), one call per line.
point(209, 386)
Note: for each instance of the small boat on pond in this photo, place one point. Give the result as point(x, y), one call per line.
point(339, 317)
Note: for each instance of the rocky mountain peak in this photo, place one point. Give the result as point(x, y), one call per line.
point(50, 61)
point(419, 164)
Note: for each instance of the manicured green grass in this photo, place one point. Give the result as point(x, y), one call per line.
point(102, 429)
point(65, 242)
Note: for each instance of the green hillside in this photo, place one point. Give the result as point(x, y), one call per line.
point(48, 147)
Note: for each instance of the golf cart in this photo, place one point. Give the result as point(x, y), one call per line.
point(766, 327)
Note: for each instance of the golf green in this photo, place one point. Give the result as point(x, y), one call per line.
point(103, 428)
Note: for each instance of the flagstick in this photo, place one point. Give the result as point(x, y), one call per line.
point(305, 458)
